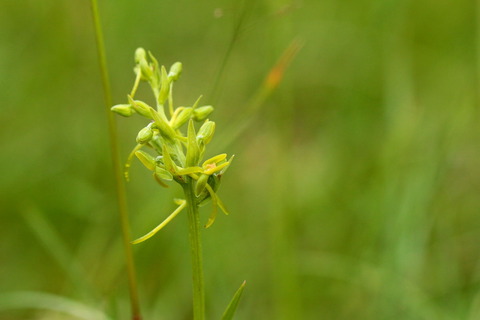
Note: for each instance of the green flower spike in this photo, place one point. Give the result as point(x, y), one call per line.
point(178, 156)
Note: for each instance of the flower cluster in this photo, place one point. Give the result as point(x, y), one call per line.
point(177, 156)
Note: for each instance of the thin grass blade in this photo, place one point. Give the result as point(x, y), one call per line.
point(232, 306)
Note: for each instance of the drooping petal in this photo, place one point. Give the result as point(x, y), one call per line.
point(182, 204)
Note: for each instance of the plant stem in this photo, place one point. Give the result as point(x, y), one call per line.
point(118, 172)
point(196, 251)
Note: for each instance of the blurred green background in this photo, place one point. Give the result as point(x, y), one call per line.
point(354, 193)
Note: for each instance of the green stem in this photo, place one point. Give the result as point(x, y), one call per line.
point(118, 172)
point(196, 251)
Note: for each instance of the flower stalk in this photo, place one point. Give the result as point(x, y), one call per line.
point(195, 250)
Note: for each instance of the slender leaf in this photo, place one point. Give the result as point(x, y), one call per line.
point(232, 306)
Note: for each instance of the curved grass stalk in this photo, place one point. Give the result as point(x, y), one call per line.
point(118, 172)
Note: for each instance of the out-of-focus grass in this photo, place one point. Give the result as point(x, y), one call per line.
point(354, 192)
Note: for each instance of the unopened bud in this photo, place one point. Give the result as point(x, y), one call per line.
point(200, 185)
point(141, 107)
point(205, 134)
point(175, 71)
point(143, 65)
point(140, 55)
point(125, 110)
point(144, 135)
point(163, 174)
point(200, 114)
point(182, 118)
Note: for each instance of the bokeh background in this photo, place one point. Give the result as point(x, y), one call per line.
point(354, 193)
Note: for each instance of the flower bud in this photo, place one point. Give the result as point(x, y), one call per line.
point(141, 107)
point(205, 134)
point(182, 118)
point(145, 135)
point(175, 71)
point(163, 174)
point(140, 55)
point(200, 114)
point(125, 110)
point(142, 64)
point(200, 184)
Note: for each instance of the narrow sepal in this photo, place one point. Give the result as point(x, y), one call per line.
point(146, 159)
point(160, 181)
point(216, 200)
point(229, 162)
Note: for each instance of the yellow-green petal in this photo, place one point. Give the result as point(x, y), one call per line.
point(147, 160)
